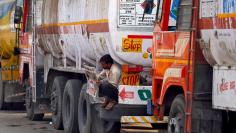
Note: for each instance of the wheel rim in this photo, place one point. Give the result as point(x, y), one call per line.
point(174, 125)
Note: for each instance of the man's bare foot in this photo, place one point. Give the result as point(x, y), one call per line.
point(110, 105)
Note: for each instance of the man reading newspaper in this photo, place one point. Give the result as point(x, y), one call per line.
point(108, 81)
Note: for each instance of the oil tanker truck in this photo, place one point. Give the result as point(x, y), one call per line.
point(76, 33)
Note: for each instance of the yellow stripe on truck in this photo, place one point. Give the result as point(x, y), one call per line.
point(227, 15)
point(76, 23)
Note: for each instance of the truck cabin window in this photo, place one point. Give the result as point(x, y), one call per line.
point(173, 13)
point(184, 13)
point(174, 7)
point(180, 14)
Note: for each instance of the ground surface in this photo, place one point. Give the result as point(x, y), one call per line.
point(16, 122)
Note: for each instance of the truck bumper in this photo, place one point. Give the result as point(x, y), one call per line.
point(120, 110)
point(15, 98)
point(143, 119)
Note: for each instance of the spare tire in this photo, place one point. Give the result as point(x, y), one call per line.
point(56, 101)
point(70, 106)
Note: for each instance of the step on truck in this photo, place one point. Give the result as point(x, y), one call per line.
point(75, 33)
point(194, 59)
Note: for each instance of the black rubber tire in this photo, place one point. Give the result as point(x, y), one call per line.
point(102, 126)
point(1, 93)
point(70, 106)
point(56, 101)
point(84, 111)
point(177, 115)
point(30, 104)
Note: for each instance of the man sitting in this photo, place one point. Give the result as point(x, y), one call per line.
point(108, 81)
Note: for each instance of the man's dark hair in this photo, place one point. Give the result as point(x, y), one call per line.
point(107, 59)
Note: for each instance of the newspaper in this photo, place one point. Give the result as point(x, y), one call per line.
point(92, 89)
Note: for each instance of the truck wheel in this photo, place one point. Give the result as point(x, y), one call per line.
point(56, 101)
point(30, 104)
point(177, 115)
point(102, 126)
point(70, 106)
point(1, 94)
point(84, 111)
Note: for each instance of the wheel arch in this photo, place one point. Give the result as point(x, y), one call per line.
point(170, 95)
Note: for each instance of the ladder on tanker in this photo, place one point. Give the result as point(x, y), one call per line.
point(185, 22)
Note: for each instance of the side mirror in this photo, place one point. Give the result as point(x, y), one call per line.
point(18, 11)
point(18, 15)
point(148, 7)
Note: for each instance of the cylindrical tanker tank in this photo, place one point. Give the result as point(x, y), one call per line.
point(7, 32)
point(219, 47)
point(92, 28)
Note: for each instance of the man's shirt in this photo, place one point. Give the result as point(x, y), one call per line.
point(112, 76)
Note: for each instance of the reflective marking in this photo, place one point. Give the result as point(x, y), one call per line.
point(142, 119)
point(77, 23)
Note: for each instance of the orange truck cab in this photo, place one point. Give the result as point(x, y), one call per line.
point(184, 77)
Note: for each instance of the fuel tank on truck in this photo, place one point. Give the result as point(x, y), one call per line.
point(7, 31)
point(219, 47)
point(92, 28)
